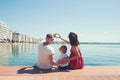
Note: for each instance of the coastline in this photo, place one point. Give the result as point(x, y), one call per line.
point(15, 43)
point(87, 73)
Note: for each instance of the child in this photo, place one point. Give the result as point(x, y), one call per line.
point(63, 50)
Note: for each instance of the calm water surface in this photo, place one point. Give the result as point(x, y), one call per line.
point(93, 54)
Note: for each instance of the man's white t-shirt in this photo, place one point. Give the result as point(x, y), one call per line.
point(44, 52)
point(62, 56)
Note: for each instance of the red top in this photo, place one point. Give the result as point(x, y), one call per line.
point(77, 63)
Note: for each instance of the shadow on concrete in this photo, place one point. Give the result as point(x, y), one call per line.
point(27, 70)
point(34, 70)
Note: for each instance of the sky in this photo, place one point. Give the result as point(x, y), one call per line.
point(91, 20)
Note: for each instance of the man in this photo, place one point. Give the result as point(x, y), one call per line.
point(46, 54)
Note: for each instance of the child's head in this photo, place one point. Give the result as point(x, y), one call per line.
point(63, 49)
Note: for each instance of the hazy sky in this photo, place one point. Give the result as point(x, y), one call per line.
point(92, 20)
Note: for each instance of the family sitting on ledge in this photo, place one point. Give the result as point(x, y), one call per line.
point(46, 59)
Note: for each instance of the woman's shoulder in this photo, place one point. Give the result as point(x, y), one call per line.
point(75, 47)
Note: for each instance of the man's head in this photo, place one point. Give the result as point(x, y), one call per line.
point(49, 38)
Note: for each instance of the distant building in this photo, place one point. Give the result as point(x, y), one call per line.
point(35, 40)
point(5, 33)
point(16, 37)
point(22, 38)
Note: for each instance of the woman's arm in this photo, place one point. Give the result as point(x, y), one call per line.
point(64, 61)
point(66, 41)
point(67, 60)
point(59, 36)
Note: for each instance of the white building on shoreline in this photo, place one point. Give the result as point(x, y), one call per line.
point(16, 37)
point(21, 38)
point(5, 33)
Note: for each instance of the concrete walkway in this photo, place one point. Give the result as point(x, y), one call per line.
point(88, 73)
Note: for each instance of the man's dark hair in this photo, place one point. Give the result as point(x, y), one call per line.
point(49, 36)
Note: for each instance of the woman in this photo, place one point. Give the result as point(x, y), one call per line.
point(75, 60)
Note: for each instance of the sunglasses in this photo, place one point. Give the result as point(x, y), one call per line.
point(51, 39)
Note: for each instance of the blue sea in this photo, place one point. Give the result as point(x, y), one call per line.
point(27, 54)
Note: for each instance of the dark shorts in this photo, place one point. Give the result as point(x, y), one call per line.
point(64, 68)
point(37, 68)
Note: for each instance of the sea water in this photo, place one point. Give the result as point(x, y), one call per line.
point(27, 54)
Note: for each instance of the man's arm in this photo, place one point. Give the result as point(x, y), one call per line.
point(52, 61)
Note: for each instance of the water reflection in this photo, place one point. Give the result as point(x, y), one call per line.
point(27, 54)
point(8, 52)
point(5, 53)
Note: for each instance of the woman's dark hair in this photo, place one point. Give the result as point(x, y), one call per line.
point(73, 39)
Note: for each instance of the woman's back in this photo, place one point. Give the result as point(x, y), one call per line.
point(77, 63)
